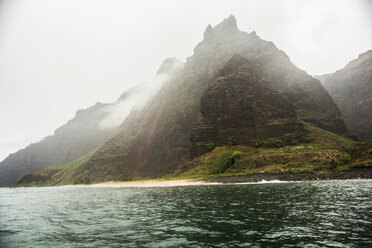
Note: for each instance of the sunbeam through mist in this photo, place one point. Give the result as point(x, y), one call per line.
point(138, 96)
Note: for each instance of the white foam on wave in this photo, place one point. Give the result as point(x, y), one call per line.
point(263, 182)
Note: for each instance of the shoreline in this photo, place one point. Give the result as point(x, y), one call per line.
point(357, 173)
point(147, 184)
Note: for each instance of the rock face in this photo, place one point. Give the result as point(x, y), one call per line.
point(351, 89)
point(153, 141)
point(239, 104)
point(311, 101)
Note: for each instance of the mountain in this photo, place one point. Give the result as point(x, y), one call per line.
point(76, 138)
point(351, 89)
point(153, 141)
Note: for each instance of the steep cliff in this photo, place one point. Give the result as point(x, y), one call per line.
point(351, 89)
point(240, 105)
point(154, 140)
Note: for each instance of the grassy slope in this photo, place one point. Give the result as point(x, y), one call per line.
point(327, 152)
point(55, 175)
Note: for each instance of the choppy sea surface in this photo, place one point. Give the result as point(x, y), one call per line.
point(292, 214)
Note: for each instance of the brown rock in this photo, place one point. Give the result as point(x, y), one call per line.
point(239, 103)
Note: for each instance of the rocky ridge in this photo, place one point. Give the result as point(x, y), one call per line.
point(351, 89)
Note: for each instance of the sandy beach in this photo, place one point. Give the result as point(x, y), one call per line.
point(150, 183)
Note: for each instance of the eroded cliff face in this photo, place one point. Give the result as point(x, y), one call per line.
point(351, 89)
point(240, 105)
point(153, 141)
point(311, 101)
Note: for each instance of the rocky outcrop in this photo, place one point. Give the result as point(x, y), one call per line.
point(153, 141)
point(351, 89)
point(240, 105)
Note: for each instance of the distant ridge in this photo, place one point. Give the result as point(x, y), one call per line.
point(351, 89)
point(76, 138)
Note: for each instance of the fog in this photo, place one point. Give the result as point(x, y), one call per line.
point(118, 111)
point(60, 56)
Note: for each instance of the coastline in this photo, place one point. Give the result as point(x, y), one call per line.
point(357, 173)
point(148, 183)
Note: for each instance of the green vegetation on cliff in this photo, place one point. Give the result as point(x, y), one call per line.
point(320, 151)
point(56, 175)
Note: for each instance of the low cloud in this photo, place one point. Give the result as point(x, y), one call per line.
point(134, 98)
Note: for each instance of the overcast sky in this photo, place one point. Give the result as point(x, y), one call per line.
point(60, 56)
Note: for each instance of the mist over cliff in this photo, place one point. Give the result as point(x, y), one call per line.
point(351, 89)
point(60, 56)
point(236, 88)
point(89, 129)
point(154, 140)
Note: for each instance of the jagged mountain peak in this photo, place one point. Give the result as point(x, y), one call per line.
point(226, 27)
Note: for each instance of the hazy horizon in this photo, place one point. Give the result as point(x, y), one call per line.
point(60, 56)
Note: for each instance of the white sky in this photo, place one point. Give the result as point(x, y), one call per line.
point(60, 56)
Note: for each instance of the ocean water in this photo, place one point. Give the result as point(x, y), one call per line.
point(293, 214)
